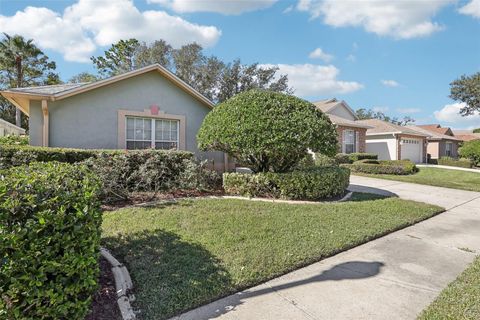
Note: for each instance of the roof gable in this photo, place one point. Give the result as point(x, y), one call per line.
point(329, 106)
point(20, 97)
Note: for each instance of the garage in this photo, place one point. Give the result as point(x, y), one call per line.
point(411, 149)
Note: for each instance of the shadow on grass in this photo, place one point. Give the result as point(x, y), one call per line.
point(352, 270)
point(169, 274)
point(370, 190)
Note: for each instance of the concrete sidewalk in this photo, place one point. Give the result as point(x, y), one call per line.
point(447, 167)
point(394, 277)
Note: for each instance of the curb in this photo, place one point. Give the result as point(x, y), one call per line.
point(123, 284)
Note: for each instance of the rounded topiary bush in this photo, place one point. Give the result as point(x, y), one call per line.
point(308, 184)
point(267, 131)
point(49, 241)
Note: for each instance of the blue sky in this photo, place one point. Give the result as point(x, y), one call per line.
point(395, 56)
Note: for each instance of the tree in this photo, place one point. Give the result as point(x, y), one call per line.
point(209, 75)
point(466, 89)
point(84, 77)
point(363, 114)
point(23, 64)
point(120, 58)
point(476, 130)
point(267, 131)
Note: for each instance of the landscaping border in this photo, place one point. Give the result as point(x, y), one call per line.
point(123, 285)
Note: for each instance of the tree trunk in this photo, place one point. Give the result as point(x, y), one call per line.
point(18, 113)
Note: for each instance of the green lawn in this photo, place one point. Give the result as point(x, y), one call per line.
point(454, 179)
point(186, 254)
point(460, 300)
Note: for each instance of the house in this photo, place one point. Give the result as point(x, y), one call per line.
point(145, 108)
point(394, 142)
point(7, 128)
point(466, 135)
point(350, 131)
point(441, 143)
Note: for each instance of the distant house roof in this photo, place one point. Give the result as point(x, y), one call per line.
point(382, 127)
point(466, 135)
point(436, 128)
point(20, 96)
point(328, 105)
point(434, 133)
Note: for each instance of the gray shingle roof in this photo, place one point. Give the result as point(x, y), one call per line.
point(49, 90)
point(433, 135)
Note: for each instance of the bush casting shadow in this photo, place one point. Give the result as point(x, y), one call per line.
point(169, 273)
point(351, 270)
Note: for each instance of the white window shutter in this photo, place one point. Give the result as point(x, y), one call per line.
point(357, 138)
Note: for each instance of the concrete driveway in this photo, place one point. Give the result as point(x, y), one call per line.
point(394, 277)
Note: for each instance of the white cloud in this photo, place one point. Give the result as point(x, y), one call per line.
point(409, 110)
point(390, 83)
point(351, 58)
point(380, 109)
point(227, 7)
point(288, 9)
point(320, 54)
point(91, 23)
point(471, 9)
point(450, 114)
point(398, 19)
point(314, 80)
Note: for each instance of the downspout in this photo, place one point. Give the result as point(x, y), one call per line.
point(45, 123)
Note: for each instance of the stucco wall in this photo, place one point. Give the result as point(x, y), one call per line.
point(90, 120)
point(433, 149)
point(342, 112)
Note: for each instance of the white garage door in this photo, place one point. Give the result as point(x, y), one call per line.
point(411, 149)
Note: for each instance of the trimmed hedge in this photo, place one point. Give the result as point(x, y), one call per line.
point(322, 160)
point(49, 241)
point(342, 158)
point(14, 140)
point(462, 162)
point(149, 171)
point(396, 167)
point(309, 184)
point(17, 155)
point(361, 156)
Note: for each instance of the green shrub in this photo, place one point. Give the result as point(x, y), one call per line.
point(267, 131)
point(462, 162)
point(14, 140)
point(397, 167)
point(322, 160)
point(342, 158)
point(310, 184)
point(149, 171)
point(11, 156)
point(306, 162)
point(49, 241)
point(471, 150)
point(361, 156)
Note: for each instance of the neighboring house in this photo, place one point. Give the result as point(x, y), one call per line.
point(393, 142)
point(441, 143)
point(466, 135)
point(146, 108)
point(351, 132)
point(7, 128)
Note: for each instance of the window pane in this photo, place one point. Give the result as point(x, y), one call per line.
point(130, 123)
point(130, 133)
point(165, 145)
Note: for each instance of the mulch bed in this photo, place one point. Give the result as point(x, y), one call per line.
point(104, 304)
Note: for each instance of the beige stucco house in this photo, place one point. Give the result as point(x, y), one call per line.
point(351, 132)
point(441, 143)
point(146, 108)
point(393, 142)
point(7, 128)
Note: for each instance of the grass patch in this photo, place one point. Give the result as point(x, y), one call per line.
point(182, 255)
point(460, 300)
point(438, 177)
